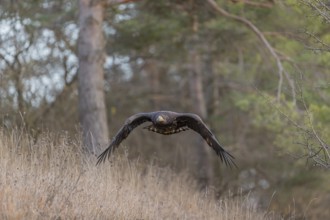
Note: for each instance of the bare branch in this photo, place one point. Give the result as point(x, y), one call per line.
point(260, 35)
point(315, 134)
point(9, 64)
point(320, 154)
point(323, 46)
point(319, 7)
point(316, 148)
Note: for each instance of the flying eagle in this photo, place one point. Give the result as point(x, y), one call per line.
point(167, 123)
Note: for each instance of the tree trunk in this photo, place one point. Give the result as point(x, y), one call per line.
point(154, 81)
point(92, 111)
point(19, 89)
point(200, 157)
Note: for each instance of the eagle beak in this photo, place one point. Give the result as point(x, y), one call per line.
point(160, 119)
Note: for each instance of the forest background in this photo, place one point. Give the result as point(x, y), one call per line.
point(258, 72)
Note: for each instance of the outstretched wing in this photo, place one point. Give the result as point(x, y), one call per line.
point(195, 123)
point(131, 123)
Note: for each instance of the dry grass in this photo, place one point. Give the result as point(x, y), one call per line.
point(52, 179)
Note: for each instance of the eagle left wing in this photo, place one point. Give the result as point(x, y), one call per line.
point(195, 123)
point(131, 123)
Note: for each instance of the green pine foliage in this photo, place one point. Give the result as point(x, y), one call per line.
point(279, 136)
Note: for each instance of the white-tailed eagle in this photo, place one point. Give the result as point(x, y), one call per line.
point(167, 123)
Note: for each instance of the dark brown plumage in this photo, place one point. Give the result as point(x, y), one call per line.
point(167, 123)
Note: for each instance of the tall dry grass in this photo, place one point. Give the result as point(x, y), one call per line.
point(53, 179)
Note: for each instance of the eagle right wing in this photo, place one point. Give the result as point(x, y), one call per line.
point(131, 123)
point(195, 123)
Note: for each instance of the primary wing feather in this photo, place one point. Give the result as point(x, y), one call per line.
point(131, 123)
point(195, 123)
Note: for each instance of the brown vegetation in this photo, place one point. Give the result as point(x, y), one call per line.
point(53, 179)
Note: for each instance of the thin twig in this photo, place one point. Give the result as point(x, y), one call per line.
point(320, 141)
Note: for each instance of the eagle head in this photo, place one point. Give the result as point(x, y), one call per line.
point(160, 119)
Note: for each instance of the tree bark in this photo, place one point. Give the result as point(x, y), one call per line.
point(92, 111)
point(154, 81)
point(200, 157)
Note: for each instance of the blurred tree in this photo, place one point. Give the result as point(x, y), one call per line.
point(37, 63)
point(320, 12)
point(312, 127)
point(150, 63)
point(92, 108)
point(92, 112)
point(200, 151)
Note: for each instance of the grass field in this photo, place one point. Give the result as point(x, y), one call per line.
point(53, 179)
